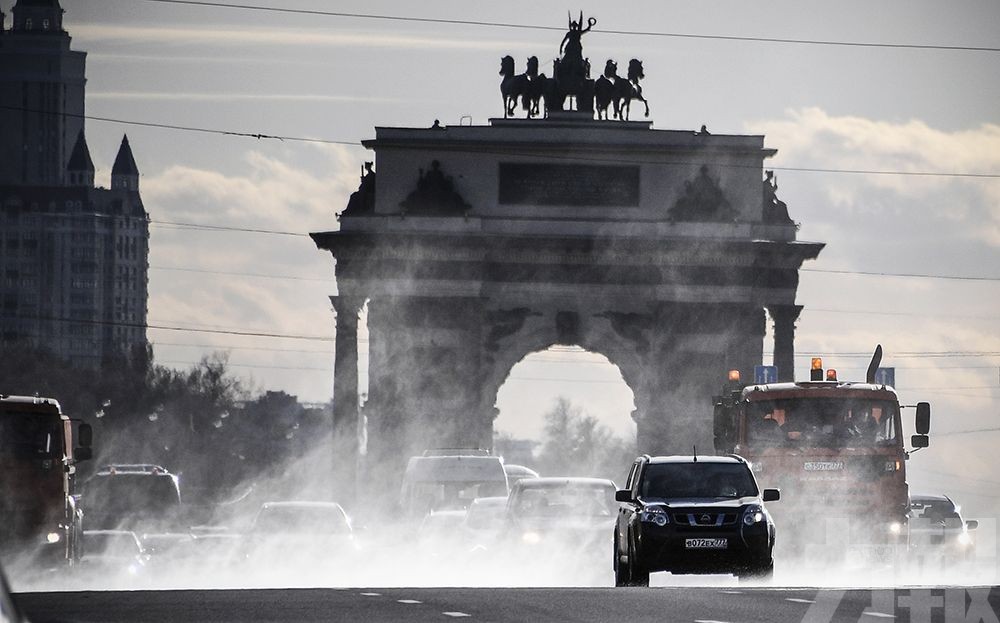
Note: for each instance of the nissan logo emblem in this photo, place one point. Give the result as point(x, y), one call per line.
point(706, 518)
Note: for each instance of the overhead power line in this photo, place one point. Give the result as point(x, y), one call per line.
point(248, 230)
point(239, 274)
point(169, 126)
point(462, 22)
point(881, 274)
point(191, 329)
point(322, 338)
point(573, 158)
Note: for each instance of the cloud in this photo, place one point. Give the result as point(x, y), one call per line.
point(270, 193)
point(101, 34)
point(811, 137)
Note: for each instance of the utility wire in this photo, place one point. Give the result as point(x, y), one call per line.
point(460, 22)
point(239, 274)
point(168, 126)
point(201, 226)
point(322, 338)
point(879, 274)
point(574, 158)
point(971, 431)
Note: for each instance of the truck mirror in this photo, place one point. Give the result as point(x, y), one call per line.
point(772, 495)
point(972, 524)
point(919, 441)
point(83, 454)
point(86, 434)
point(923, 419)
point(623, 495)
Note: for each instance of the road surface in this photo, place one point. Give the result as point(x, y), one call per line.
point(600, 605)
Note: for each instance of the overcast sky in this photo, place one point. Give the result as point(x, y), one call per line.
point(821, 106)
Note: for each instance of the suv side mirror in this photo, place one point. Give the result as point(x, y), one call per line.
point(972, 524)
point(623, 495)
point(923, 419)
point(772, 495)
point(920, 441)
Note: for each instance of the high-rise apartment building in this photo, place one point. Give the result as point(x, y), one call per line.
point(73, 257)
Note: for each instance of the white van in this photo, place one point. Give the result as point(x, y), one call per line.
point(435, 483)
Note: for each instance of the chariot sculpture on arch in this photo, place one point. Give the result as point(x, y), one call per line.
point(571, 81)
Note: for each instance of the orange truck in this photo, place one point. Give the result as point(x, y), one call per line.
point(834, 448)
point(39, 450)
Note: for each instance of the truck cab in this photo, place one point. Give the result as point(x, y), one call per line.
point(828, 444)
point(39, 450)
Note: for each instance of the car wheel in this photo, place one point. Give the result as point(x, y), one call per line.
point(757, 573)
point(621, 571)
point(637, 575)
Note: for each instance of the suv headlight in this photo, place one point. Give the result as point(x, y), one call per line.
point(753, 514)
point(654, 515)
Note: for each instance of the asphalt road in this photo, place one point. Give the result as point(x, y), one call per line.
point(636, 605)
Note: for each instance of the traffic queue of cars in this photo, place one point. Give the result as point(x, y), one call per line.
point(679, 514)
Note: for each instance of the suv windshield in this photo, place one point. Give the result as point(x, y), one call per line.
point(697, 480)
point(821, 422)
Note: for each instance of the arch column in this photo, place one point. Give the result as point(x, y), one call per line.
point(784, 317)
point(346, 412)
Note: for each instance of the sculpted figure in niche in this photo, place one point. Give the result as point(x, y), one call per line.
point(363, 199)
point(775, 210)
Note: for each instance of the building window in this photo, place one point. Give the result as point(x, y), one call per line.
point(45, 24)
point(27, 24)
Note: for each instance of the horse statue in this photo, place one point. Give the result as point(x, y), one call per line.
point(512, 86)
point(537, 86)
point(604, 90)
point(630, 89)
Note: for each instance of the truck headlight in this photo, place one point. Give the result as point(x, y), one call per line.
point(531, 538)
point(964, 539)
point(657, 516)
point(753, 514)
point(895, 527)
point(53, 537)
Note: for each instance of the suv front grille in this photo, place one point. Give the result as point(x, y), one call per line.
point(705, 520)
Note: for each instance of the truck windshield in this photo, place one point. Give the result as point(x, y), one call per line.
point(821, 422)
point(30, 435)
point(697, 480)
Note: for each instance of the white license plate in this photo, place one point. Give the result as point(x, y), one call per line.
point(706, 543)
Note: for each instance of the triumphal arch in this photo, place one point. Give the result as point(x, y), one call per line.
point(474, 246)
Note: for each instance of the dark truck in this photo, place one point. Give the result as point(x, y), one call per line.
point(40, 446)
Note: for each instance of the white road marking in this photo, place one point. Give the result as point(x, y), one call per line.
point(409, 601)
point(799, 601)
point(732, 592)
point(371, 594)
point(709, 621)
point(456, 614)
point(880, 615)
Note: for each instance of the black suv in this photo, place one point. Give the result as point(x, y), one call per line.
point(692, 514)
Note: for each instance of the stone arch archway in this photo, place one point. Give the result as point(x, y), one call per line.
point(478, 245)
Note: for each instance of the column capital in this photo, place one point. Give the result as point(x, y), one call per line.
point(347, 306)
point(784, 313)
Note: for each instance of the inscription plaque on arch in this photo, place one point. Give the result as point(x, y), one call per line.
point(569, 184)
